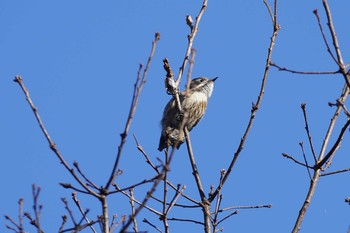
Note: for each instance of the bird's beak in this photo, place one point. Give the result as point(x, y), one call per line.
point(214, 79)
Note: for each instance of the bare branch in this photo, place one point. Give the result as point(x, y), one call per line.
point(152, 225)
point(138, 86)
point(301, 144)
point(245, 207)
point(52, 145)
point(89, 182)
point(76, 201)
point(255, 106)
point(324, 36)
point(191, 37)
point(132, 203)
point(335, 146)
point(303, 107)
point(335, 172)
point(294, 160)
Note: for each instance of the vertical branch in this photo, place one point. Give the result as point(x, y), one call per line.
point(105, 218)
point(189, 74)
point(204, 202)
point(132, 203)
point(36, 207)
point(20, 215)
point(165, 192)
point(191, 36)
point(256, 105)
point(322, 157)
point(136, 95)
point(303, 107)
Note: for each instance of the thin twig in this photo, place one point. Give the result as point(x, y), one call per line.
point(245, 207)
point(231, 214)
point(190, 68)
point(64, 200)
point(303, 107)
point(139, 202)
point(339, 61)
point(175, 198)
point(70, 186)
point(36, 207)
point(280, 68)
point(165, 193)
point(52, 145)
point(20, 214)
point(294, 160)
point(335, 172)
point(255, 106)
point(136, 95)
point(176, 204)
point(64, 221)
point(335, 146)
point(185, 220)
point(301, 144)
point(132, 203)
point(322, 157)
point(77, 203)
point(324, 36)
point(191, 37)
point(139, 147)
point(152, 225)
point(76, 165)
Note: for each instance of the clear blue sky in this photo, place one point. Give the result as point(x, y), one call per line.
point(79, 60)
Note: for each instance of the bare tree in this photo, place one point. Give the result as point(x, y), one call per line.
point(209, 201)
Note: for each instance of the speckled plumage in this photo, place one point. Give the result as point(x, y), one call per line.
point(193, 103)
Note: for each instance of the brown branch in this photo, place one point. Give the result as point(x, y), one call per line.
point(165, 193)
point(294, 160)
point(335, 172)
point(303, 107)
point(176, 204)
point(324, 36)
point(135, 185)
point(139, 147)
point(132, 203)
point(64, 200)
point(255, 106)
point(89, 182)
point(335, 146)
point(280, 68)
point(190, 68)
point(301, 144)
point(191, 36)
point(322, 158)
point(175, 198)
point(340, 61)
point(69, 186)
point(185, 220)
point(64, 221)
point(245, 207)
point(226, 217)
point(77, 203)
point(52, 145)
point(138, 86)
point(152, 225)
point(139, 202)
point(36, 207)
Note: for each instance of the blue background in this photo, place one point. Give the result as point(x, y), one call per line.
point(79, 60)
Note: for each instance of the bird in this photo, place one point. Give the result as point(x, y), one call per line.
point(194, 103)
